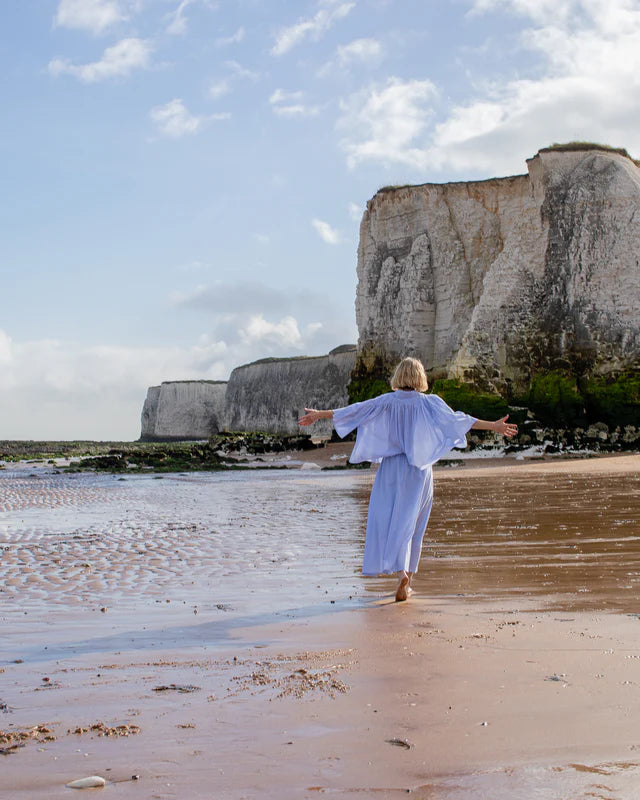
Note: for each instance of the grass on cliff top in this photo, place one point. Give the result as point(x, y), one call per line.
point(576, 146)
point(555, 147)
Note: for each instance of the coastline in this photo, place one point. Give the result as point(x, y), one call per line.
point(304, 700)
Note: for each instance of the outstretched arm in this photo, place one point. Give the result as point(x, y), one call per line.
point(507, 429)
point(313, 415)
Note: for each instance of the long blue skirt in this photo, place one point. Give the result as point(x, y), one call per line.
point(399, 509)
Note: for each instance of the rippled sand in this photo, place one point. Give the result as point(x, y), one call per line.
point(511, 675)
point(203, 539)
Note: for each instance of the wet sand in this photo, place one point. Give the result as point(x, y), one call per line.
point(512, 673)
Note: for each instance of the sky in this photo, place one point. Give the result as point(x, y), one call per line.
point(183, 180)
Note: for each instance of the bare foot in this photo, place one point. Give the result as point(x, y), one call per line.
point(404, 590)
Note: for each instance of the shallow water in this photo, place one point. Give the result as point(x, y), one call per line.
point(565, 541)
point(244, 542)
point(259, 541)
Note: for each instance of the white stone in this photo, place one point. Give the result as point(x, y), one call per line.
point(92, 782)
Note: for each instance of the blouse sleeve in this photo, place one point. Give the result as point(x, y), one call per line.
point(442, 429)
point(350, 417)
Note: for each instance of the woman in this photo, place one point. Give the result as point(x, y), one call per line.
point(407, 431)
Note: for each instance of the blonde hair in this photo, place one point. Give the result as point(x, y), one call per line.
point(410, 374)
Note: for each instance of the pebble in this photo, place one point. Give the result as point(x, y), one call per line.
point(92, 782)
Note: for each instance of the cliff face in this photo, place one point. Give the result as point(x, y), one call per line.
point(183, 410)
point(497, 280)
point(269, 395)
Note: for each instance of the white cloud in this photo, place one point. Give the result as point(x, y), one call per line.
point(382, 123)
point(284, 334)
point(363, 50)
point(297, 110)
point(280, 96)
point(360, 51)
point(584, 84)
point(241, 72)
point(5, 348)
point(51, 389)
point(117, 61)
point(235, 38)
point(219, 88)
point(239, 313)
point(224, 86)
point(174, 119)
point(95, 16)
point(326, 232)
point(355, 212)
point(587, 87)
point(313, 28)
point(68, 367)
point(177, 20)
point(284, 105)
point(539, 10)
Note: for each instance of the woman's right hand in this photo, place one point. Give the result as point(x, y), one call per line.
point(311, 416)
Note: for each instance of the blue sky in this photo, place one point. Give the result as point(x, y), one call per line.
point(184, 179)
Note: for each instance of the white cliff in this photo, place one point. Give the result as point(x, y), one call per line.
point(269, 395)
point(496, 280)
point(183, 410)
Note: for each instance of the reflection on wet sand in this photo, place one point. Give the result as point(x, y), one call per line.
point(577, 537)
point(571, 542)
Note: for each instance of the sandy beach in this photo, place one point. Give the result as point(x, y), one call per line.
point(211, 635)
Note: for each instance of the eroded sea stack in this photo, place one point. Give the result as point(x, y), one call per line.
point(498, 282)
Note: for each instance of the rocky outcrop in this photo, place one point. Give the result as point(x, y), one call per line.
point(183, 410)
point(496, 281)
point(270, 394)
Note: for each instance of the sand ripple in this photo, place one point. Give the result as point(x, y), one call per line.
point(195, 538)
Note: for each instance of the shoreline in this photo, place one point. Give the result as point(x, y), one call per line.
point(360, 694)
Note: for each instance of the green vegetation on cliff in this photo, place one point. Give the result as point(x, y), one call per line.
point(556, 398)
point(576, 146)
point(561, 399)
point(369, 382)
point(464, 397)
point(614, 400)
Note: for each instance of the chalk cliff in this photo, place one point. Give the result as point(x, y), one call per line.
point(495, 281)
point(270, 394)
point(183, 410)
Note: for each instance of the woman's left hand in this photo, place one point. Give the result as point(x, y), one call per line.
point(507, 429)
